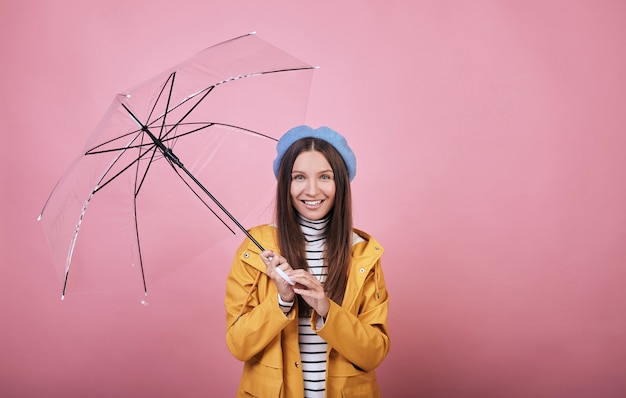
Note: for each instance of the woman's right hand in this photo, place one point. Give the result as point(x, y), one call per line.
point(273, 261)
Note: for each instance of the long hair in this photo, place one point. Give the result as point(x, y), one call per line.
point(337, 251)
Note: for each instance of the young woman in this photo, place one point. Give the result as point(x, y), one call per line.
point(320, 329)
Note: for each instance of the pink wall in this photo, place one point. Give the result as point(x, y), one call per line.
point(490, 138)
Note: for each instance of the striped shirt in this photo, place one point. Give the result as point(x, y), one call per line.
point(313, 347)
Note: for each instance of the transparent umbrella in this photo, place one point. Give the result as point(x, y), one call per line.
point(176, 164)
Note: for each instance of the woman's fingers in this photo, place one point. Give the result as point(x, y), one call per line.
point(268, 257)
point(275, 269)
point(306, 280)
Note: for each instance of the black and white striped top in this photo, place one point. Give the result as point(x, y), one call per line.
point(313, 347)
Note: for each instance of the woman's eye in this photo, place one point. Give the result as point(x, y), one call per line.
point(298, 177)
point(326, 177)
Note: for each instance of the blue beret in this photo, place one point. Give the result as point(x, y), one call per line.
point(323, 133)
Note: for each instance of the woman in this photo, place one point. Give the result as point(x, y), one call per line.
point(321, 330)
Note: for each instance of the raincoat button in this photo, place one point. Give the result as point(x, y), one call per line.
point(362, 270)
point(297, 364)
point(376, 248)
point(246, 255)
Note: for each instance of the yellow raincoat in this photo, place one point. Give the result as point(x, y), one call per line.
point(260, 334)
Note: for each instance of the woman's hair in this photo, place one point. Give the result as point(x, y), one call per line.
point(291, 241)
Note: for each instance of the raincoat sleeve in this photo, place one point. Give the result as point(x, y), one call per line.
point(358, 332)
point(253, 317)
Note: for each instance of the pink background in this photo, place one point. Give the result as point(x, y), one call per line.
point(490, 137)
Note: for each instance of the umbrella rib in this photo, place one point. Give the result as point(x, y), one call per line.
point(93, 151)
point(124, 148)
point(283, 70)
point(136, 191)
point(203, 125)
point(170, 82)
point(206, 125)
point(143, 275)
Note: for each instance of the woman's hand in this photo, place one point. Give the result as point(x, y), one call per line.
point(273, 261)
point(311, 290)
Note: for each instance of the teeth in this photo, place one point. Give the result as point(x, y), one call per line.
point(312, 203)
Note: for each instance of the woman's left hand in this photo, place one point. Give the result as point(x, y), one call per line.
point(311, 290)
point(272, 262)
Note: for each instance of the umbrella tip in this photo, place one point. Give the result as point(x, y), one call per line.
point(39, 217)
point(252, 33)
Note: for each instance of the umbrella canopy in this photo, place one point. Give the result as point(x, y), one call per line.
point(177, 163)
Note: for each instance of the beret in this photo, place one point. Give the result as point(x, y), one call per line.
point(323, 133)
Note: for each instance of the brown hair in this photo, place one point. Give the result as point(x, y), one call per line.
point(337, 251)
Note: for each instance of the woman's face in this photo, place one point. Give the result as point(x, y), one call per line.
point(312, 185)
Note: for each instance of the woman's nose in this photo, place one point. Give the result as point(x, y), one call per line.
point(311, 187)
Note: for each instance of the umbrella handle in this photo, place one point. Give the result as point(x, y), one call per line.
point(284, 276)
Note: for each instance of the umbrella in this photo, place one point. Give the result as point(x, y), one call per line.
point(207, 126)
